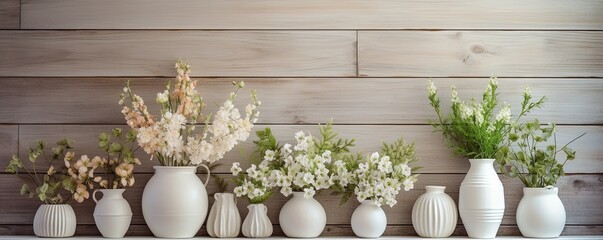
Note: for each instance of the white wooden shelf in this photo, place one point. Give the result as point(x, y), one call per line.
point(338, 238)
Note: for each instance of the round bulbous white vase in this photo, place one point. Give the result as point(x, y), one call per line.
point(224, 220)
point(257, 224)
point(434, 214)
point(481, 200)
point(54, 221)
point(302, 218)
point(369, 220)
point(112, 213)
point(540, 213)
point(174, 202)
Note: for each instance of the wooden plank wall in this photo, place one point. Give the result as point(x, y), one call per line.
point(364, 63)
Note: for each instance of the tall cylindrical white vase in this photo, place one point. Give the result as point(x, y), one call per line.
point(369, 220)
point(224, 220)
point(481, 200)
point(257, 224)
point(434, 214)
point(112, 213)
point(540, 213)
point(174, 202)
point(302, 218)
point(54, 221)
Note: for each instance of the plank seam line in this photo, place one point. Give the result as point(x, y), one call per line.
point(309, 77)
point(316, 29)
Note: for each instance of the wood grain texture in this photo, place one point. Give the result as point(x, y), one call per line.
point(9, 143)
point(575, 191)
point(330, 230)
point(311, 14)
point(153, 53)
point(10, 14)
point(454, 54)
point(294, 100)
point(434, 155)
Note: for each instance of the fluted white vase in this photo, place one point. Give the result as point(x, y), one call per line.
point(369, 220)
point(257, 224)
point(540, 213)
point(174, 202)
point(224, 220)
point(112, 213)
point(434, 214)
point(302, 218)
point(54, 221)
point(481, 200)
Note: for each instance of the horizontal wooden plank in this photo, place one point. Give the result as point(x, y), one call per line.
point(10, 14)
point(453, 54)
point(153, 53)
point(9, 137)
point(311, 14)
point(294, 100)
point(330, 230)
point(576, 192)
point(432, 151)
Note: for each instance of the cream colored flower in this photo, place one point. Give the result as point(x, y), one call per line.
point(50, 171)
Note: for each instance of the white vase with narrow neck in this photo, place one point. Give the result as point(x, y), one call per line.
point(302, 218)
point(540, 213)
point(224, 220)
point(369, 220)
point(174, 202)
point(481, 200)
point(257, 224)
point(112, 213)
point(54, 221)
point(434, 214)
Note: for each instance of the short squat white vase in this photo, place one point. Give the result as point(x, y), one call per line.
point(434, 214)
point(54, 221)
point(257, 224)
point(369, 220)
point(302, 218)
point(174, 202)
point(540, 213)
point(481, 200)
point(112, 213)
point(224, 220)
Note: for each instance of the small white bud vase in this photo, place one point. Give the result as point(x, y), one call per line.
point(174, 202)
point(224, 220)
point(540, 213)
point(302, 218)
point(434, 214)
point(257, 224)
point(112, 213)
point(54, 221)
point(481, 200)
point(369, 220)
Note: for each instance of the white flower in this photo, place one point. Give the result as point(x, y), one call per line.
point(309, 193)
point(163, 97)
point(504, 115)
point(269, 155)
point(286, 191)
point(408, 184)
point(431, 89)
point(527, 91)
point(235, 169)
point(239, 191)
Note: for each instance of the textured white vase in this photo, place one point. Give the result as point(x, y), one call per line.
point(369, 220)
point(257, 224)
point(174, 202)
point(481, 200)
point(540, 213)
point(302, 218)
point(434, 214)
point(224, 220)
point(112, 213)
point(55, 221)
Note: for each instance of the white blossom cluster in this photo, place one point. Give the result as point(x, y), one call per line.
point(380, 181)
point(256, 184)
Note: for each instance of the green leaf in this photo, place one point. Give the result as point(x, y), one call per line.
point(116, 132)
point(14, 164)
point(24, 189)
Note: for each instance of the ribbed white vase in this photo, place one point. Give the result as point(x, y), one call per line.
point(302, 218)
point(257, 224)
point(481, 200)
point(434, 214)
point(224, 220)
point(55, 221)
point(540, 213)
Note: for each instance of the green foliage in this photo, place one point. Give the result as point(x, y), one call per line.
point(329, 141)
point(531, 157)
point(49, 182)
point(473, 129)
